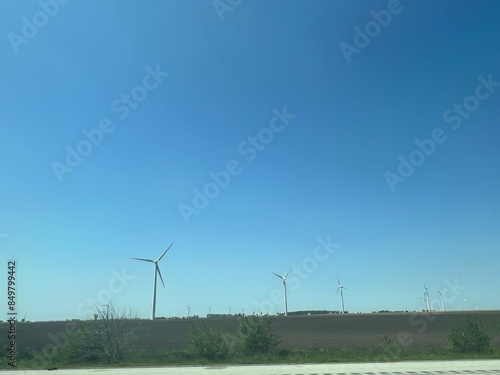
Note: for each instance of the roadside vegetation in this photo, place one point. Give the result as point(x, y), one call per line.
point(208, 343)
point(109, 340)
point(106, 339)
point(471, 336)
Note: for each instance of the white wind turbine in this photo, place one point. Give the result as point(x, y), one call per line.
point(340, 288)
point(285, 302)
point(441, 298)
point(157, 272)
point(426, 298)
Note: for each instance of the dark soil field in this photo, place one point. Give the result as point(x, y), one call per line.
point(333, 331)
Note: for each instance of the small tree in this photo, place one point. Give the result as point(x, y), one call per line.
point(469, 337)
point(107, 338)
point(208, 343)
point(257, 335)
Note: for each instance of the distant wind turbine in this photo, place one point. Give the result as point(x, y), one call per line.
point(107, 310)
point(283, 278)
point(189, 310)
point(340, 288)
point(157, 272)
point(441, 298)
point(426, 298)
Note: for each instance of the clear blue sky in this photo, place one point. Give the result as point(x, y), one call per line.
point(327, 169)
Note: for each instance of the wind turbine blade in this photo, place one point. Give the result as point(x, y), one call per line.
point(286, 274)
point(168, 248)
point(338, 280)
point(159, 273)
point(144, 260)
point(281, 277)
point(337, 290)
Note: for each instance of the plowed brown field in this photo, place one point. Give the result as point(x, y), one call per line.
point(297, 331)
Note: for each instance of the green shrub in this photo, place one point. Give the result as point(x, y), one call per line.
point(25, 354)
point(470, 336)
point(106, 339)
point(256, 335)
point(208, 343)
point(80, 347)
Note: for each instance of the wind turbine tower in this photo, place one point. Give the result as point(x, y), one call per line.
point(426, 298)
point(283, 278)
point(441, 298)
point(340, 288)
point(157, 272)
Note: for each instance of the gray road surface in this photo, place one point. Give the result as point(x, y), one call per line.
point(476, 367)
